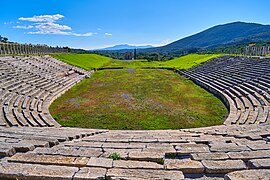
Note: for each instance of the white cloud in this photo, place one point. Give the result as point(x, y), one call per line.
point(43, 18)
point(46, 24)
point(23, 27)
point(85, 34)
point(108, 34)
point(7, 23)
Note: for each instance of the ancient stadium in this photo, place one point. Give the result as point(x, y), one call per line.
point(135, 90)
point(35, 146)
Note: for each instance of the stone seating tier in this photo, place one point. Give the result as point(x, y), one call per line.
point(34, 146)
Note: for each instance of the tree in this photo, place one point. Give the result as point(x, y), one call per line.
point(3, 39)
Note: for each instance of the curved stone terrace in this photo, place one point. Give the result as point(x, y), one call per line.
point(34, 146)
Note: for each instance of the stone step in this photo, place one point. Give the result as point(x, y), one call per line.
point(116, 173)
point(35, 171)
point(261, 174)
point(223, 167)
point(31, 158)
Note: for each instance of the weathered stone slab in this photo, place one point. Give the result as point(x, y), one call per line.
point(52, 141)
point(246, 155)
point(147, 156)
point(94, 139)
point(70, 151)
point(7, 150)
point(124, 145)
point(49, 159)
point(209, 156)
point(136, 165)
point(184, 165)
point(35, 171)
point(223, 167)
point(115, 173)
point(186, 149)
point(100, 162)
point(259, 163)
point(168, 150)
point(259, 146)
point(83, 144)
point(260, 174)
point(228, 147)
point(21, 146)
point(36, 143)
point(90, 173)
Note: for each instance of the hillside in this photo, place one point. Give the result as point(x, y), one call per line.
point(218, 36)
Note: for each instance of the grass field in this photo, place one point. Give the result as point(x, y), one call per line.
point(85, 61)
point(184, 62)
point(137, 99)
point(91, 61)
point(189, 61)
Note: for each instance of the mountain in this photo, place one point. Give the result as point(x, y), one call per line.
point(219, 36)
point(124, 47)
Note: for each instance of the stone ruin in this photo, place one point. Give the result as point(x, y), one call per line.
point(34, 146)
point(26, 49)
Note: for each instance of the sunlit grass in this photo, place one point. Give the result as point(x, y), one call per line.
point(184, 62)
point(137, 99)
point(85, 61)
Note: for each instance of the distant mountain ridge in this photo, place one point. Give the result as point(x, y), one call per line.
point(220, 35)
point(123, 47)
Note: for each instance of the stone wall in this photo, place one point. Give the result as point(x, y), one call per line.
point(257, 50)
point(23, 49)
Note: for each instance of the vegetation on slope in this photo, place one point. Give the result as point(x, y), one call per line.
point(219, 36)
point(85, 61)
point(137, 99)
point(184, 62)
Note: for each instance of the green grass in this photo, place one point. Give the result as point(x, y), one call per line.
point(91, 61)
point(85, 61)
point(184, 62)
point(137, 99)
point(189, 61)
point(133, 64)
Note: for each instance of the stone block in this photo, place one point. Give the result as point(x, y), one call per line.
point(49, 159)
point(260, 174)
point(259, 163)
point(223, 167)
point(90, 173)
point(35, 171)
point(184, 165)
point(100, 162)
point(136, 165)
point(209, 156)
point(116, 173)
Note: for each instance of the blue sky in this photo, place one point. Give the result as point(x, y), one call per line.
point(94, 24)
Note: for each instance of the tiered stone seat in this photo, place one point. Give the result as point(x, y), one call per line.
point(241, 82)
point(239, 149)
point(28, 86)
point(207, 153)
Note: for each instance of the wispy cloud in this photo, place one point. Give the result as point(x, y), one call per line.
point(46, 24)
point(23, 27)
point(43, 18)
point(108, 34)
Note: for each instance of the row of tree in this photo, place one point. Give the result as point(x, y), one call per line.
point(3, 39)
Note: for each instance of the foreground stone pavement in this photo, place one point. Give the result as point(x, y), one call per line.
point(230, 152)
